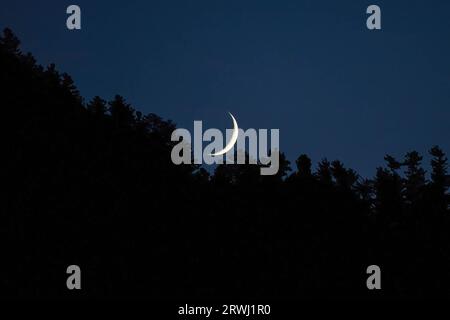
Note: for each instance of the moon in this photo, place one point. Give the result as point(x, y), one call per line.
point(233, 139)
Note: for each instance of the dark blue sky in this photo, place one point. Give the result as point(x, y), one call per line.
point(310, 68)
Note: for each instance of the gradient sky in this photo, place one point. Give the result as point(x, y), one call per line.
point(309, 68)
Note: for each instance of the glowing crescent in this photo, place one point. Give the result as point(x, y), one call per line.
point(233, 139)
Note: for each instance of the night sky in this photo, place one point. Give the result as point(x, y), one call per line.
point(310, 68)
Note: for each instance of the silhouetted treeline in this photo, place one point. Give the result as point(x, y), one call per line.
point(92, 184)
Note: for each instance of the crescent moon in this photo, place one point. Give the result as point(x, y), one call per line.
point(233, 139)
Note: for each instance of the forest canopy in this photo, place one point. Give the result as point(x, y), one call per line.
point(92, 183)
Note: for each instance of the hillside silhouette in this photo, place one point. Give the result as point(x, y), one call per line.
point(92, 184)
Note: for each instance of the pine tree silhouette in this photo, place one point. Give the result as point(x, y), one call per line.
point(94, 185)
